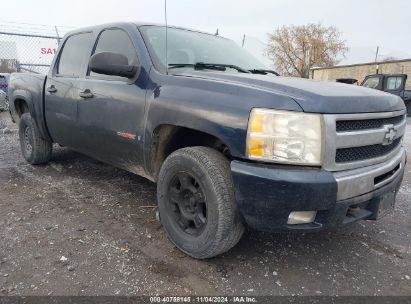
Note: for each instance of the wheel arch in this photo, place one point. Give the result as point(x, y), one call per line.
point(167, 138)
point(22, 102)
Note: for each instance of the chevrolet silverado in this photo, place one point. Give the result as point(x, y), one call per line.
point(229, 142)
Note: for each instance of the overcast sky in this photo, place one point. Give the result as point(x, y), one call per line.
point(364, 23)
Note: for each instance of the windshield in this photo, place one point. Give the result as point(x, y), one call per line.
point(190, 47)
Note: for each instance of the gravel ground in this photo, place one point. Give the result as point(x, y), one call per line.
point(80, 227)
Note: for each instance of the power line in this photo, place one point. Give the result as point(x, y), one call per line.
point(33, 29)
point(29, 30)
point(34, 24)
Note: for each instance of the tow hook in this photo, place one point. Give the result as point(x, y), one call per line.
point(354, 211)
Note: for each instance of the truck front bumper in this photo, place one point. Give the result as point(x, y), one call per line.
point(267, 194)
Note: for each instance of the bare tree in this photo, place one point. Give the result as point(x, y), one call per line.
point(389, 58)
point(296, 49)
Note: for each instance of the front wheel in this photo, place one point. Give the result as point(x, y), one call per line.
point(196, 202)
point(34, 148)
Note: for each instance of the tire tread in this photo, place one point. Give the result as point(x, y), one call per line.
point(230, 227)
point(42, 148)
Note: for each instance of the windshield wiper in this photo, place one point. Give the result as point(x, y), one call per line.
point(264, 72)
point(208, 66)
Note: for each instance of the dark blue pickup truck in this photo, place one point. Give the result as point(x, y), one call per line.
point(228, 142)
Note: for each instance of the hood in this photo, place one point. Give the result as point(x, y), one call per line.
point(312, 96)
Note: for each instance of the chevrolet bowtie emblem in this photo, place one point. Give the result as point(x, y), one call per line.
point(390, 133)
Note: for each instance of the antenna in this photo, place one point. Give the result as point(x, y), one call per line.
point(165, 16)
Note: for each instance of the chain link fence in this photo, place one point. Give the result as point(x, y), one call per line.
point(26, 48)
point(26, 52)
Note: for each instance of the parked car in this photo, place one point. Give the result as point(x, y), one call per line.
point(228, 143)
point(3, 101)
point(4, 80)
point(4, 88)
point(391, 83)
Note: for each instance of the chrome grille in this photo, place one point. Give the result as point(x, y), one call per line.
point(354, 125)
point(366, 152)
point(359, 140)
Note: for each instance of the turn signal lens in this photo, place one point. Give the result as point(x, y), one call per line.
point(257, 123)
point(255, 147)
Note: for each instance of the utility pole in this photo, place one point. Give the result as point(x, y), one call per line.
point(310, 54)
point(57, 33)
point(376, 53)
point(376, 59)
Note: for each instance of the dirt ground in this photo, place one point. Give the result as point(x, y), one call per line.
point(80, 227)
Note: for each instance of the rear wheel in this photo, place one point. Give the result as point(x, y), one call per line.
point(34, 148)
point(196, 202)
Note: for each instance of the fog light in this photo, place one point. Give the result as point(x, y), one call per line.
point(301, 217)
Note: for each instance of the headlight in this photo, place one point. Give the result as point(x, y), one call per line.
point(285, 137)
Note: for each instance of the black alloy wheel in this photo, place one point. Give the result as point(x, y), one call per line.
point(187, 203)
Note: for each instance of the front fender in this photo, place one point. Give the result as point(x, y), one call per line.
point(217, 108)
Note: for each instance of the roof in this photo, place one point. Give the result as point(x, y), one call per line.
point(138, 24)
point(360, 64)
point(388, 74)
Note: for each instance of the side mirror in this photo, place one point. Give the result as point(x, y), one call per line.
point(112, 64)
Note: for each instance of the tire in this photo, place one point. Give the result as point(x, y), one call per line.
point(35, 149)
point(196, 202)
point(408, 104)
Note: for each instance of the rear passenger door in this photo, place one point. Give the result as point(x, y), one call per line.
point(110, 115)
point(62, 88)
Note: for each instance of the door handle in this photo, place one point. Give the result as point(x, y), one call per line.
point(52, 89)
point(86, 94)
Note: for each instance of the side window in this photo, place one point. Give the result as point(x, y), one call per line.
point(115, 41)
point(394, 83)
point(74, 55)
point(372, 82)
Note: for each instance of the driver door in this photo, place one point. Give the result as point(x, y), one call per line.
point(111, 108)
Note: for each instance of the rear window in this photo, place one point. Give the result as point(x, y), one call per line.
point(73, 58)
point(394, 83)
